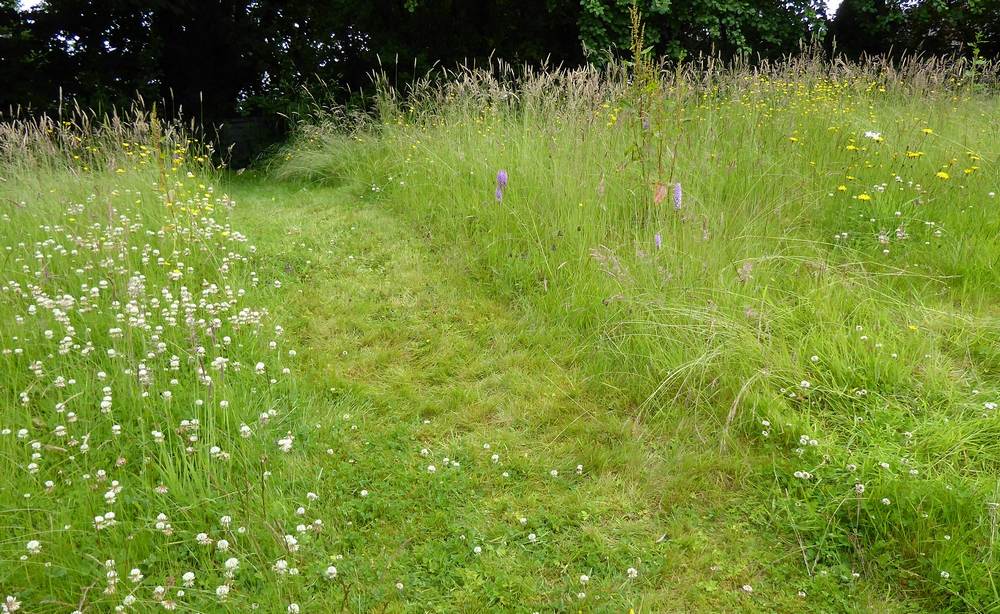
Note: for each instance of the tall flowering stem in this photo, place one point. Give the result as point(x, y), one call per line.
point(501, 184)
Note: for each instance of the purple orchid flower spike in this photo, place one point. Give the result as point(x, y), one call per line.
point(658, 240)
point(677, 196)
point(501, 184)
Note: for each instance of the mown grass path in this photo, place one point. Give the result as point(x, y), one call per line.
point(406, 355)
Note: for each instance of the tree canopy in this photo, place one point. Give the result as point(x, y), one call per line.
point(219, 58)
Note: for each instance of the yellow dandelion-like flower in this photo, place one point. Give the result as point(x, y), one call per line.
point(914, 154)
point(864, 196)
point(841, 188)
point(927, 131)
point(942, 175)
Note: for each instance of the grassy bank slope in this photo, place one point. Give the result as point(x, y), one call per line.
point(802, 261)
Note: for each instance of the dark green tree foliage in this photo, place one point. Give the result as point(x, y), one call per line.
point(216, 58)
point(100, 49)
point(725, 27)
point(929, 26)
point(219, 58)
point(21, 55)
point(953, 26)
point(867, 26)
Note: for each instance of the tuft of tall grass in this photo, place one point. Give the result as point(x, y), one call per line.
point(82, 141)
point(824, 291)
point(145, 378)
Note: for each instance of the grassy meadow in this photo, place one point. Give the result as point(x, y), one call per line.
point(702, 338)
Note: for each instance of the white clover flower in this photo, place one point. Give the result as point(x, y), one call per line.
point(188, 579)
point(293, 608)
point(584, 578)
point(222, 545)
point(222, 591)
point(105, 521)
point(135, 576)
point(330, 573)
point(632, 573)
point(34, 546)
point(232, 563)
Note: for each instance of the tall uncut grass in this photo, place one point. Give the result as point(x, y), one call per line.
point(149, 407)
point(802, 254)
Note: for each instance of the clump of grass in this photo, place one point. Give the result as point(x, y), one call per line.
point(824, 293)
